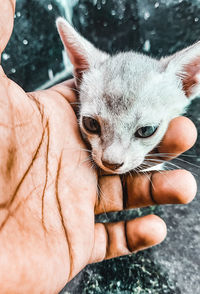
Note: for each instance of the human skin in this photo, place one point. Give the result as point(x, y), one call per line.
point(49, 190)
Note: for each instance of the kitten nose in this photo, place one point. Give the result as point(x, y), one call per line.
point(112, 166)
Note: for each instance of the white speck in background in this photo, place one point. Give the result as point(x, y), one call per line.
point(50, 7)
point(146, 15)
point(147, 46)
point(156, 5)
point(196, 19)
point(99, 6)
point(18, 14)
point(13, 70)
point(5, 56)
point(25, 42)
point(50, 73)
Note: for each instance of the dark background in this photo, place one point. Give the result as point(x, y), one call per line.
point(34, 59)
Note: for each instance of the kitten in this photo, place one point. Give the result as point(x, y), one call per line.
point(127, 100)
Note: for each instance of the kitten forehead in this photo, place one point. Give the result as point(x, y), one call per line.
point(123, 75)
point(127, 85)
point(130, 62)
point(134, 82)
point(123, 66)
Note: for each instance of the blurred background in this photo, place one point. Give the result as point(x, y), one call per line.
point(35, 59)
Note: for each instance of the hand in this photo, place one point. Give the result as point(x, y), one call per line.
point(48, 199)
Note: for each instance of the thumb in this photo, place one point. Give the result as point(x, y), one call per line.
point(7, 10)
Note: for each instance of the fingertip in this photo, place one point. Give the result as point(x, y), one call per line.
point(188, 192)
point(145, 232)
point(180, 136)
point(175, 187)
point(190, 132)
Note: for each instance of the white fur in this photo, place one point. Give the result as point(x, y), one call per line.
point(125, 92)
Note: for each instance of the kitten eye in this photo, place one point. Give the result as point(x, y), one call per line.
point(91, 125)
point(146, 132)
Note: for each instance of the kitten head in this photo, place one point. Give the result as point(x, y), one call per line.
point(127, 100)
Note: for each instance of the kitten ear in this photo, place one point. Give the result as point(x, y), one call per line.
point(81, 52)
point(186, 65)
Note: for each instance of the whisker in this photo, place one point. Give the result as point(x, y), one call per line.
point(166, 162)
point(76, 90)
point(190, 163)
point(172, 164)
point(102, 194)
point(105, 197)
point(145, 165)
point(178, 159)
point(85, 160)
point(78, 149)
point(170, 154)
point(77, 103)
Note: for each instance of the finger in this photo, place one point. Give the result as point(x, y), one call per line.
point(110, 194)
point(7, 11)
point(177, 186)
point(67, 89)
point(122, 238)
point(145, 232)
point(180, 136)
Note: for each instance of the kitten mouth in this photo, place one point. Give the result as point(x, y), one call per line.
point(105, 169)
point(108, 170)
